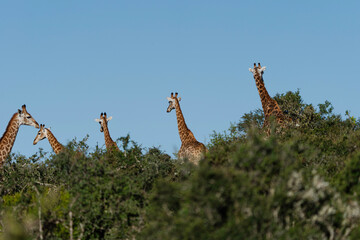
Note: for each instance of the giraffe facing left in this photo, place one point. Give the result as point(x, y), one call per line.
point(21, 117)
point(46, 133)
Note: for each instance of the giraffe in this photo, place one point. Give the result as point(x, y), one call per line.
point(46, 133)
point(190, 147)
point(110, 144)
point(269, 105)
point(22, 117)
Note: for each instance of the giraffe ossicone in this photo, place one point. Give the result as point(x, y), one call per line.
point(190, 148)
point(21, 117)
point(257, 70)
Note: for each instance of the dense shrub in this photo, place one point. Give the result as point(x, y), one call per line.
point(263, 192)
point(302, 182)
point(83, 195)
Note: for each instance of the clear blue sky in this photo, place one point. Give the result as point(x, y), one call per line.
point(71, 60)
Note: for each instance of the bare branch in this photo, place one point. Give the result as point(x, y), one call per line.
point(82, 231)
point(39, 213)
point(71, 226)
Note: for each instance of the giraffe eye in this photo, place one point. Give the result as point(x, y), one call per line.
point(28, 117)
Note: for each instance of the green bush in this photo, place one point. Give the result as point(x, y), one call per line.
point(263, 192)
point(91, 195)
point(302, 182)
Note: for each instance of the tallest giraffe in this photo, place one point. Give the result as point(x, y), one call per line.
point(269, 105)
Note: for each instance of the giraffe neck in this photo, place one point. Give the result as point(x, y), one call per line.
point(8, 139)
point(110, 144)
point(264, 95)
point(56, 146)
point(185, 134)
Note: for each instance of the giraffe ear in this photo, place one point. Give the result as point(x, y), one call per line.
point(109, 118)
point(262, 69)
point(97, 120)
point(179, 99)
point(169, 99)
point(251, 70)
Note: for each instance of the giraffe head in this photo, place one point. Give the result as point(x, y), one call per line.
point(103, 121)
point(25, 118)
point(173, 100)
point(42, 134)
point(257, 70)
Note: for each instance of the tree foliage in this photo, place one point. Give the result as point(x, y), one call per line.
point(302, 182)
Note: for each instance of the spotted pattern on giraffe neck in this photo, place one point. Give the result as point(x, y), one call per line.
point(263, 93)
point(269, 105)
point(8, 138)
point(56, 146)
point(186, 136)
point(110, 144)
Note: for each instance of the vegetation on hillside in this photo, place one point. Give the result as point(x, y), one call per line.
point(302, 182)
